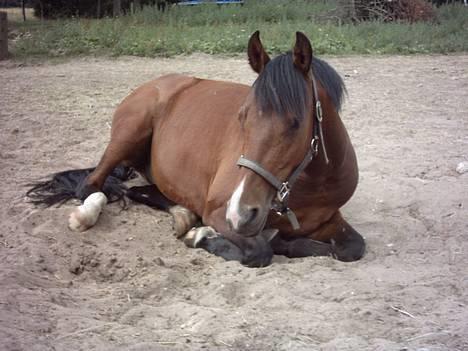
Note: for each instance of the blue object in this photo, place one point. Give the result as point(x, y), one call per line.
point(218, 2)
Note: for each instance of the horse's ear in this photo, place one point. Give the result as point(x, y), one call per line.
point(302, 53)
point(258, 58)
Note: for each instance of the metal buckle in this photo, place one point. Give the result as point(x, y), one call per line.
point(283, 192)
point(277, 207)
point(314, 145)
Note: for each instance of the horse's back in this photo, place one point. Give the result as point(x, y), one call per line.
point(157, 97)
point(152, 97)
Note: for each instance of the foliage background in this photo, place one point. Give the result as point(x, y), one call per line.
point(225, 30)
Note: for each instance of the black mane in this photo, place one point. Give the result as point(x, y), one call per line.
point(331, 81)
point(282, 89)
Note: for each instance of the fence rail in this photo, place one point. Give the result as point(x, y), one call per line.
point(219, 2)
point(3, 35)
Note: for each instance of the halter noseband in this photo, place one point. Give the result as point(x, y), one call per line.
point(283, 189)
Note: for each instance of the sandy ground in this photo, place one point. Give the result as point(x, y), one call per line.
point(128, 284)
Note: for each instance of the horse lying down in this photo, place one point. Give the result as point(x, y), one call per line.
point(245, 171)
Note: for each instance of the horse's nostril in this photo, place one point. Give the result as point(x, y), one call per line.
point(251, 214)
point(254, 213)
point(246, 219)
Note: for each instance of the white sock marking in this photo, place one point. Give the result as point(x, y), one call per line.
point(86, 215)
point(232, 212)
point(195, 235)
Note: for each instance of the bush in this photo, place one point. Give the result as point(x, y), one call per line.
point(385, 10)
point(83, 8)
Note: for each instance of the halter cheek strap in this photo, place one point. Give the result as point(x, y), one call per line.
point(283, 189)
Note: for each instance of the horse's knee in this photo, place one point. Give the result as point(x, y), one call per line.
point(184, 219)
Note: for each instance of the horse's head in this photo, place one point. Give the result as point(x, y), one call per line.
point(276, 121)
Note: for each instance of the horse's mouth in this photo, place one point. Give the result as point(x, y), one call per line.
point(252, 229)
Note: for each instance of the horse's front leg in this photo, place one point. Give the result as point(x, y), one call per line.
point(335, 238)
point(250, 251)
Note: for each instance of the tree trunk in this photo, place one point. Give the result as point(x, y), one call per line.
point(117, 8)
point(41, 5)
point(137, 5)
point(98, 9)
point(3, 35)
point(347, 10)
point(23, 9)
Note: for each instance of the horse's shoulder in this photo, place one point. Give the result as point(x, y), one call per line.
point(170, 85)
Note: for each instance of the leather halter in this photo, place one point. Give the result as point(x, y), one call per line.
point(280, 203)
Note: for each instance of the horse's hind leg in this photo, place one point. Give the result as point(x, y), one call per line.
point(117, 152)
point(129, 145)
point(86, 215)
point(184, 219)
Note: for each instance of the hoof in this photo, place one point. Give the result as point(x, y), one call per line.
point(196, 235)
point(259, 253)
point(86, 215)
point(349, 246)
point(77, 221)
point(184, 219)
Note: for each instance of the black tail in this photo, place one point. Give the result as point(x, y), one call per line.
point(63, 186)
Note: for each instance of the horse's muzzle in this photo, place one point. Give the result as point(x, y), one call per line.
point(249, 221)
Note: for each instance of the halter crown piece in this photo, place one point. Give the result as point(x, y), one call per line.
point(283, 189)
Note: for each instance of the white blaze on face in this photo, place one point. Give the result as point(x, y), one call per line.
point(232, 213)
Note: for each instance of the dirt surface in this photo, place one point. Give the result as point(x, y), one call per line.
point(129, 284)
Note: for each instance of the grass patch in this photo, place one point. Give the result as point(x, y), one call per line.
point(226, 29)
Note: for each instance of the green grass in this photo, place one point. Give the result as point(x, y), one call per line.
point(225, 30)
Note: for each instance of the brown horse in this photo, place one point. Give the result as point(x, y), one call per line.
point(260, 170)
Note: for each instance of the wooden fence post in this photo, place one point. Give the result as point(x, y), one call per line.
point(3, 36)
point(98, 9)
